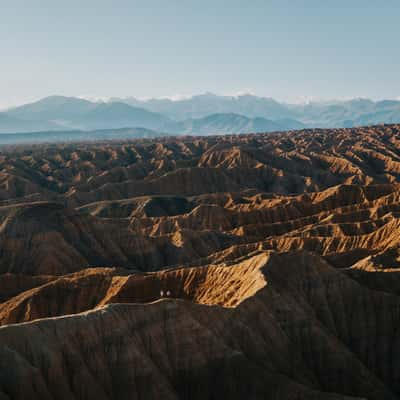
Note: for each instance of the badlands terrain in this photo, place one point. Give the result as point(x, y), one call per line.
point(259, 266)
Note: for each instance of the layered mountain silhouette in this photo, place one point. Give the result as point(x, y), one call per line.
point(199, 115)
point(68, 112)
point(8, 123)
point(202, 105)
point(53, 108)
point(229, 123)
point(238, 266)
point(120, 115)
point(332, 114)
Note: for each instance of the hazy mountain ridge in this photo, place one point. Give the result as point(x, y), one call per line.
point(57, 108)
point(200, 115)
point(230, 123)
point(331, 114)
point(200, 106)
point(74, 113)
point(10, 124)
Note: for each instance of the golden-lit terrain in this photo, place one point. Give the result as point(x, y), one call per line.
point(261, 266)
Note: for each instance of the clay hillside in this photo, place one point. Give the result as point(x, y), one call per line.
point(260, 266)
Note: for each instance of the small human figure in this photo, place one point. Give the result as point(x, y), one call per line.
point(161, 293)
point(168, 293)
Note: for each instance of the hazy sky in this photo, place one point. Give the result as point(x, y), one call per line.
point(153, 48)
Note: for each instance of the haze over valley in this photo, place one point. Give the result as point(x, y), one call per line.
point(198, 115)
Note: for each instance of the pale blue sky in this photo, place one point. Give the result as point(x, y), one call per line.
point(283, 49)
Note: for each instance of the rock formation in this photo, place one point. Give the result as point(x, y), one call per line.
point(255, 266)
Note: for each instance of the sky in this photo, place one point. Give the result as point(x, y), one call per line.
point(289, 50)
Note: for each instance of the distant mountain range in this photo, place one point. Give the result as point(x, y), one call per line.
point(199, 115)
point(331, 114)
point(205, 104)
point(60, 113)
point(230, 123)
point(10, 124)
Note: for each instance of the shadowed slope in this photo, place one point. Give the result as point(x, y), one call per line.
point(263, 266)
point(276, 343)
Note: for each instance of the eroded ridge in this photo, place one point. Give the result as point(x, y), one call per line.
point(270, 344)
point(252, 266)
point(226, 286)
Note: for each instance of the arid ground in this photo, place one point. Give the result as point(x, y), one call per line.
point(260, 266)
